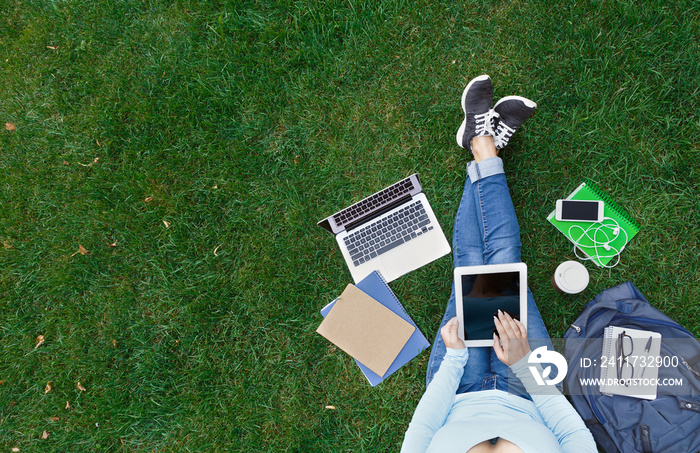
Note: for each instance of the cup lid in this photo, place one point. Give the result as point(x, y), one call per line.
point(571, 277)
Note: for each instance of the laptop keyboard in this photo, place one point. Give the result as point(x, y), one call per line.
point(373, 202)
point(388, 232)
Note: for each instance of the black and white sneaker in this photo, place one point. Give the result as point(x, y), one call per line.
point(477, 99)
point(510, 113)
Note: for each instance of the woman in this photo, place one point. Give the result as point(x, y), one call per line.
point(472, 403)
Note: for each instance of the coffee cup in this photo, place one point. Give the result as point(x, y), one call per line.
point(571, 277)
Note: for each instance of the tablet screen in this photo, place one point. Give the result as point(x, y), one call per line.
point(482, 296)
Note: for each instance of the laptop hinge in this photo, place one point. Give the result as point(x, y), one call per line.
point(326, 225)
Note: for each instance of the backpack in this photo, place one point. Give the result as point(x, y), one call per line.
point(669, 423)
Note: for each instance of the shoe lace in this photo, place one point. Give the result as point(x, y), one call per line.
point(503, 132)
point(484, 123)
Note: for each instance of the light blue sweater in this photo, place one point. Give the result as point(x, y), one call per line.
point(445, 422)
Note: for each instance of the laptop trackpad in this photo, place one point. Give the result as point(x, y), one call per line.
point(402, 259)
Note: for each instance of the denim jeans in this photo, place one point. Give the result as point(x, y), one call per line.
point(486, 231)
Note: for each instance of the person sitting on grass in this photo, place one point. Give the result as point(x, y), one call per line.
point(472, 403)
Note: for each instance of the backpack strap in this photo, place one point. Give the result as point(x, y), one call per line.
point(601, 436)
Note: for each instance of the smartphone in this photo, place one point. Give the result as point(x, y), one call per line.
point(579, 211)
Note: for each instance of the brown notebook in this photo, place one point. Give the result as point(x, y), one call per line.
point(365, 329)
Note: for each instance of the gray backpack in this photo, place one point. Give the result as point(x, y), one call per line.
point(669, 423)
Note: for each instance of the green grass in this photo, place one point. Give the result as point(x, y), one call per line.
point(241, 124)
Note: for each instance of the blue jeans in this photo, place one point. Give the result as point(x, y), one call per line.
point(486, 231)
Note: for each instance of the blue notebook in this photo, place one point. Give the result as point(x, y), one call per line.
point(374, 286)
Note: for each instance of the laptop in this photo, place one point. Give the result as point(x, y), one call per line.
point(393, 231)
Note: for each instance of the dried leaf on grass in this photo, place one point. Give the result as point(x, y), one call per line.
point(54, 419)
point(80, 387)
point(45, 435)
point(82, 250)
point(47, 389)
point(67, 405)
point(94, 161)
point(166, 223)
point(39, 341)
point(10, 127)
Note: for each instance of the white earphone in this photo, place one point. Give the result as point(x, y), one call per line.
point(598, 235)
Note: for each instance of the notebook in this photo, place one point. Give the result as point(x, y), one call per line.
point(393, 231)
point(605, 234)
point(629, 362)
point(366, 329)
point(375, 286)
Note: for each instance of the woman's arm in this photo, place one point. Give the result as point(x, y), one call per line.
point(436, 402)
point(559, 415)
point(513, 349)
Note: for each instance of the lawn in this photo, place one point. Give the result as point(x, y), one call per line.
point(163, 165)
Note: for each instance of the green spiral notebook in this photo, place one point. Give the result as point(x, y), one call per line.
point(590, 238)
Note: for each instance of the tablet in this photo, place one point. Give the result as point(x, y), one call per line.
point(480, 291)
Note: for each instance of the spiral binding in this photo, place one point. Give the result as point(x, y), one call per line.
point(608, 353)
point(614, 206)
point(408, 317)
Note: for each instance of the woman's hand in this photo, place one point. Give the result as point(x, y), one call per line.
point(513, 344)
point(450, 334)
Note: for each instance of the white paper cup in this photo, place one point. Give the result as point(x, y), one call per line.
point(571, 277)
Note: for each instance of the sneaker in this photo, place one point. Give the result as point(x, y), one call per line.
point(510, 113)
point(477, 99)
